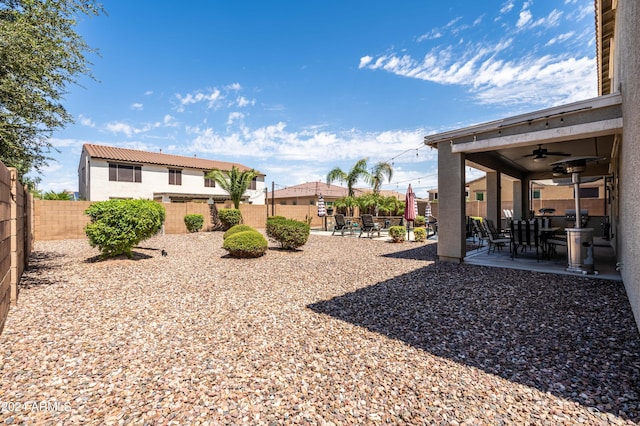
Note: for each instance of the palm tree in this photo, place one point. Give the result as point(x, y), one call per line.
point(380, 170)
point(233, 181)
point(359, 170)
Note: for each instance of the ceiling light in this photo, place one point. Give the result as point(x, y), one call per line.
point(539, 158)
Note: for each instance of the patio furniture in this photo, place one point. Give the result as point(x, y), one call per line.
point(497, 240)
point(525, 235)
point(479, 231)
point(339, 225)
point(369, 226)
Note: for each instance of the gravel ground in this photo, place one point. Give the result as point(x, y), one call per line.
point(343, 331)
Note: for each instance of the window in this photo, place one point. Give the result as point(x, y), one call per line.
point(125, 173)
point(536, 194)
point(209, 183)
point(175, 177)
point(590, 192)
point(479, 196)
point(253, 184)
point(312, 202)
point(435, 195)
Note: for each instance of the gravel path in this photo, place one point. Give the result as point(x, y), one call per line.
point(344, 331)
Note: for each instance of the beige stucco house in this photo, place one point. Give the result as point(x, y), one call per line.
point(606, 127)
point(107, 172)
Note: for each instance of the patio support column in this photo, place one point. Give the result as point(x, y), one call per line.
point(518, 190)
point(494, 199)
point(451, 205)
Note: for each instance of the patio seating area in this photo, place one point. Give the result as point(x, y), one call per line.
point(345, 330)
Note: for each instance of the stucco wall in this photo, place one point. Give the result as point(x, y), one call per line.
point(626, 72)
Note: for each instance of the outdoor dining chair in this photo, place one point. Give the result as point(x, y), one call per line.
point(525, 235)
point(339, 225)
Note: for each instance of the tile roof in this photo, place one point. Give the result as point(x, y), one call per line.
point(313, 189)
point(137, 156)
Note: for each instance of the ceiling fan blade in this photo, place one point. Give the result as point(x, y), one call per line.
point(561, 154)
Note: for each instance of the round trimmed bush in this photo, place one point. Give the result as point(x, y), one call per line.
point(420, 221)
point(290, 233)
point(235, 229)
point(193, 222)
point(118, 225)
point(229, 217)
point(397, 233)
point(246, 244)
point(420, 234)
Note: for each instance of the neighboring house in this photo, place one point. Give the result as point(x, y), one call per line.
point(107, 172)
point(557, 194)
point(307, 194)
point(605, 128)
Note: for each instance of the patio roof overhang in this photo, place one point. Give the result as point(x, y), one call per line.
point(584, 128)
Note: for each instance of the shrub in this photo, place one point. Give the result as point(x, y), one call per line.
point(246, 244)
point(290, 233)
point(272, 223)
point(420, 234)
point(397, 233)
point(118, 225)
point(194, 222)
point(420, 222)
point(235, 229)
point(229, 217)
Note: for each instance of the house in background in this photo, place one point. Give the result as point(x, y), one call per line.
point(308, 193)
point(107, 172)
point(557, 194)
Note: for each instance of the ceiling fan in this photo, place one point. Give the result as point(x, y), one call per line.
point(540, 154)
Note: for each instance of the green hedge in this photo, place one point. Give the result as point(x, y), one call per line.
point(229, 217)
point(194, 222)
point(246, 244)
point(397, 233)
point(289, 233)
point(235, 229)
point(420, 234)
point(118, 225)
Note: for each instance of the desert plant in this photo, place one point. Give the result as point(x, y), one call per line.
point(234, 181)
point(289, 233)
point(193, 222)
point(397, 233)
point(118, 225)
point(420, 221)
point(246, 244)
point(235, 229)
point(229, 217)
point(420, 234)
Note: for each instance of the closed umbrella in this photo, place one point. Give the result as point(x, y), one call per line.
point(321, 210)
point(410, 207)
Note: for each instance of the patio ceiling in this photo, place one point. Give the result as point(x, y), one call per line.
point(584, 128)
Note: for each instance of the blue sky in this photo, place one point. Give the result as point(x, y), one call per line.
point(294, 89)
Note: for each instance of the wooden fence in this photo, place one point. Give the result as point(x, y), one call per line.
point(15, 237)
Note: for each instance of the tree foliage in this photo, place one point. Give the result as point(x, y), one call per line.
point(40, 56)
point(358, 171)
point(380, 171)
point(234, 181)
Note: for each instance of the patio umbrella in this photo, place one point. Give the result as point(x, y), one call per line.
point(321, 210)
point(410, 207)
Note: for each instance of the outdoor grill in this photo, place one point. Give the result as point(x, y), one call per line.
point(570, 217)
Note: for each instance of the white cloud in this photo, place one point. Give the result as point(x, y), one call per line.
point(137, 106)
point(148, 92)
point(560, 38)
point(85, 121)
point(210, 97)
point(523, 19)
point(507, 6)
point(431, 35)
point(117, 127)
point(235, 116)
point(234, 86)
point(241, 101)
point(364, 61)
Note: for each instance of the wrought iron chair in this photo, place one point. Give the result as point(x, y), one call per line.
point(524, 234)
